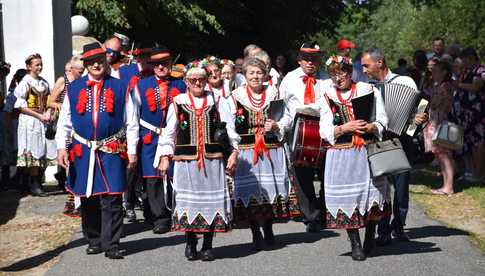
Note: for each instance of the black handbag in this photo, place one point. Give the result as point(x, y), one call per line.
point(50, 132)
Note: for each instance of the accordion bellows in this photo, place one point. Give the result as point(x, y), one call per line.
point(400, 101)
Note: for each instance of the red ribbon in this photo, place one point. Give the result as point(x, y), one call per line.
point(199, 122)
point(309, 91)
point(357, 140)
point(259, 143)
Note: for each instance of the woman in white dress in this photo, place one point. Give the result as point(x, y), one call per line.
point(353, 198)
point(202, 202)
point(35, 152)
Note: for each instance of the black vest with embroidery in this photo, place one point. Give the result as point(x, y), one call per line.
point(246, 126)
point(186, 145)
point(341, 115)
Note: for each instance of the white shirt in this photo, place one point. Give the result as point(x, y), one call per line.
point(292, 90)
point(166, 143)
point(404, 80)
point(218, 91)
point(273, 73)
point(327, 128)
point(64, 124)
point(22, 89)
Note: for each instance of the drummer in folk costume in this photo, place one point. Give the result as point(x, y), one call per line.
point(153, 96)
point(302, 88)
point(96, 138)
point(261, 186)
point(130, 75)
point(353, 197)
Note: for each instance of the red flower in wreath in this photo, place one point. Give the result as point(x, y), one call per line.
point(147, 139)
point(76, 151)
point(109, 100)
point(82, 101)
point(151, 101)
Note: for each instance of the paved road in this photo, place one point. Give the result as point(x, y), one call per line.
point(434, 250)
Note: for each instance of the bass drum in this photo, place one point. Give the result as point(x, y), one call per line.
point(306, 147)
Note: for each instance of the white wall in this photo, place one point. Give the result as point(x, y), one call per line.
point(28, 27)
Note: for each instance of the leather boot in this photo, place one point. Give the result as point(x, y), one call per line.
point(269, 238)
point(357, 251)
point(191, 246)
point(258, 241)
point(35, 187)
point(207, 254)
point(369, 241)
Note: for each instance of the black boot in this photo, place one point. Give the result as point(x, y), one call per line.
point(369, 241)
point(35, 187)
point(258, 241)
point(269, 238)
point(357, 251)
point(191, 246)
point(207, 254)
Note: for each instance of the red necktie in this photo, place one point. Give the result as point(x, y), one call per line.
point(309, 92)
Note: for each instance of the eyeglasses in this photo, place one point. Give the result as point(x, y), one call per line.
point(195, 80)
point(339, 76)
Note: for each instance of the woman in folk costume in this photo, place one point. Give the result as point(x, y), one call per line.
point(353, 198)
point(35, 152)
point(261, 186)
point(229, 73)
point(202, 202)
point(216, 83)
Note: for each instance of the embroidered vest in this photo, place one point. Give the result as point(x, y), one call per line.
point(186, 145)
point(343, 114)
point(37, 100)
point(246, 126)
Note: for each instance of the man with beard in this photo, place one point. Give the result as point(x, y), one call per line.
point(300, 88)
point(113, 55)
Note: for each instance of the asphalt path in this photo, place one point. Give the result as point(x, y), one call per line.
point(433, 250)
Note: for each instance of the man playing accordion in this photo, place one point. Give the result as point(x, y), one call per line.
point(374, 65)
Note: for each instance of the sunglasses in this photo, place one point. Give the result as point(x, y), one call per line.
point(162, 63)
point(98, 60)
point(195, 80)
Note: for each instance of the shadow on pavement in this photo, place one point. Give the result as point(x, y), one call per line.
point(146, 244)
point(246, 249)
point(9, 202)
point(434, 231)
point(135, 228)
point(34, 261)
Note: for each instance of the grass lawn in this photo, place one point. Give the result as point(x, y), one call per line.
point(463, 210)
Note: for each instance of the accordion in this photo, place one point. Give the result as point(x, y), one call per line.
point(400, 101)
